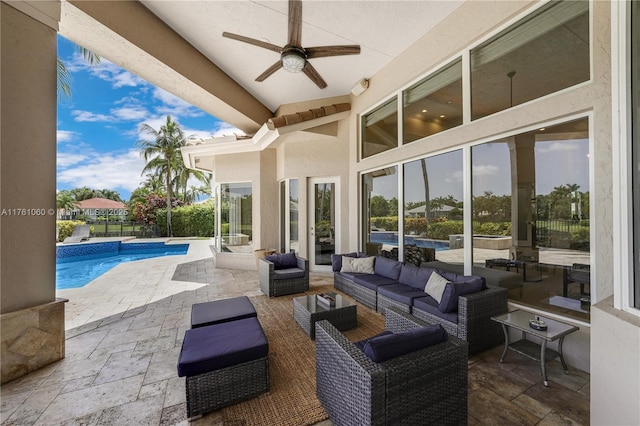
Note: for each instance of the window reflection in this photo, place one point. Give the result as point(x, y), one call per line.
point(531, 216)
point(380, 129)
point(546, 52)
point(235, 218)
point(434, 104)
point(433, 194)
point(380, 210)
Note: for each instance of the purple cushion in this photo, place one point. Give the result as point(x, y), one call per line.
point(382, 348)
point(400, 293)
point(222, 345)
point(387, 267)
point(360, 344)
point(449, 301)
point(430, 305)
point(283, 260)
point(336, 260)
point(224, 310)
point(288, 274)
point(373, 281)
point(414, 276)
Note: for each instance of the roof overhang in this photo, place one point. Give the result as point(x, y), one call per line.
point(199, 154)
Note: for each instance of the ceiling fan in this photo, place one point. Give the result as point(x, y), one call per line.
point(294, 57)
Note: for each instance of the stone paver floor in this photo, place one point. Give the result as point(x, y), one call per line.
point(124, 332)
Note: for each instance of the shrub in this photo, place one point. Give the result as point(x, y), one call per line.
point(388, 223)
point(415, 225)
point(196, 220)
point(442, 230)
point(65, 228)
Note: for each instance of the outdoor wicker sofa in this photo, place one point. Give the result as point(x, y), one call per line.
point(401, 285)
point(426, 386)
point(283, 273)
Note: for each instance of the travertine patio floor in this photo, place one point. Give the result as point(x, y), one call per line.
point(124, 332)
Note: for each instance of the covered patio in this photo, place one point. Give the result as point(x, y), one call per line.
point(123, 336)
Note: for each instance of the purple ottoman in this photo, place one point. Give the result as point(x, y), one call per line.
point(224, 364)
point(220, 311)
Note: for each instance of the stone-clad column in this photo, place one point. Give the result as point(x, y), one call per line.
point(32, 319)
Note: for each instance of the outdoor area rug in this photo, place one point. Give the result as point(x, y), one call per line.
point(291, 399)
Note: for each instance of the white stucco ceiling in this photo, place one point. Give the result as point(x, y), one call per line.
point(383, 29)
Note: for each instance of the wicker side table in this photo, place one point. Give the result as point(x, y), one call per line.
point(307, 310)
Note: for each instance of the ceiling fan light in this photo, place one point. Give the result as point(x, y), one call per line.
point(292, 61)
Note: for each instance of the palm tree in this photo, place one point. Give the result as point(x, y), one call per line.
point(162, 156)
point(64, 76)
point(182, 182)
point(64, 202)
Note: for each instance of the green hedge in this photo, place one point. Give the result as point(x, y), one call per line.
point(65, 228)
point(188, 221)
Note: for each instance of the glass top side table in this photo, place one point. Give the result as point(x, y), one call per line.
point(556, 330)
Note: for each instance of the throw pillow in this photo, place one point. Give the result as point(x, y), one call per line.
point(362, 265)
point(385, 347)
point(336, 260)
point(282, 260)
point(452, 291)
point(435, 286)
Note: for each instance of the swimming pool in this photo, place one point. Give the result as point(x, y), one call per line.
point(78, 265)
point(391, 238)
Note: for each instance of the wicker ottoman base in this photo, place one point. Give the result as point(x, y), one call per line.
point(219, 388)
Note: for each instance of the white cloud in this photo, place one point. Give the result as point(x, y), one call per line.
point(485, 170)
point(89, 116)
point(66, 135)
point(66, 159)
point(130, 113)
point(173, 105)
point(223, 129)
point(116, 171)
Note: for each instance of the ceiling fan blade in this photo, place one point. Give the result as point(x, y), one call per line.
point(273, 68)
point(324, 51)
point(253, 41)
point(313, 74)
point(295, 22)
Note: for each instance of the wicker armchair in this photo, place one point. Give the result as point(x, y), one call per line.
point(284, 281)
point(428, 386)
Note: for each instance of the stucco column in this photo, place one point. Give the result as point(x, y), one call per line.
point(523, 184)
point(32, 319)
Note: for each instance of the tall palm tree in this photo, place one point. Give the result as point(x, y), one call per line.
point(162, 155)
point(183, 180)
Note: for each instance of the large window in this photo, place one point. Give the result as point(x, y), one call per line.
point(289, 215)
point(546, 52)
point(380, 211)
point(531, 215)
point(635, 140)
point(380, 129)
point(234, 234)
point(434, 104)
point(433, 194)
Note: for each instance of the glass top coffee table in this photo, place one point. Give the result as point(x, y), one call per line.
point(556, 330)
point(307, 310)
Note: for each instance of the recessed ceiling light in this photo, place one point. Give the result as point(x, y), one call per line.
point(543, 129)
point(425, 110)
point(442, 116)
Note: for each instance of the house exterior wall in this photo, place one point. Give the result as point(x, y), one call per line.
point(31, 320)
point(468, 24)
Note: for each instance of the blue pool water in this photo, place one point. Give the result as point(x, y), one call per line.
point(391, 238)
point(78, 265)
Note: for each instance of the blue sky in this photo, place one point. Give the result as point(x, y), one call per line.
point(99, 125)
